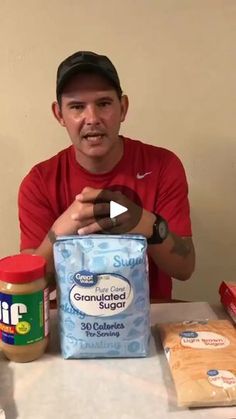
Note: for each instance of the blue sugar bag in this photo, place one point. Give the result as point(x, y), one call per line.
point(103, 295)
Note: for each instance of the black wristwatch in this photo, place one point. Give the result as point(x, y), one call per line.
point(160, 231)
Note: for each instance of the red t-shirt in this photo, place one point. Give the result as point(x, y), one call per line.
point(51, 186)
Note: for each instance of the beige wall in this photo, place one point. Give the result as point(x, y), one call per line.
point(176, 60)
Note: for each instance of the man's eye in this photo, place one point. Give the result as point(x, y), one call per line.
point(104, 104)
point(77, 107)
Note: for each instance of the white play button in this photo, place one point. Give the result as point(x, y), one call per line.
point(116, 209)
point(123, 207)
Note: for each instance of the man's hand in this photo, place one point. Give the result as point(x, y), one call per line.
point(135, 220)
point(89, 214)
point(79, 214)
point(175, 255)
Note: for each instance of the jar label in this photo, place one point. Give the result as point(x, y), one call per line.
point(24, 319)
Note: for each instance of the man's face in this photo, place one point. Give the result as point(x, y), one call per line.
point(92, 113)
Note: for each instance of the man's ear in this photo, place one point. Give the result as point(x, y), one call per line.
point(56, 110)
point(124, 107)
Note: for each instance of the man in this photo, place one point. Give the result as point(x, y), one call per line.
point(71, 192)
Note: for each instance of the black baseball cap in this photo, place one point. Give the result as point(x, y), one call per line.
point(83, 61)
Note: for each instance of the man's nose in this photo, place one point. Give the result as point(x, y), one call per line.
point(91, 115)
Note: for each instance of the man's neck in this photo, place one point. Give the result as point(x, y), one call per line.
point(101, 165)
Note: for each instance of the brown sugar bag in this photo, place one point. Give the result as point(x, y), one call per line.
point(202, 358)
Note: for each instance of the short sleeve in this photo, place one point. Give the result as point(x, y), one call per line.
point(34, 210)
point(172, 202)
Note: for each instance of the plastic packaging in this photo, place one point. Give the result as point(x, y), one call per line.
point(201, 355)
point(104, 295)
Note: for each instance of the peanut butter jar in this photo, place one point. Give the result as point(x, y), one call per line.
point(24, 307)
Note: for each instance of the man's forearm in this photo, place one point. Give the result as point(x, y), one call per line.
point(175, 256)
point(45, 249)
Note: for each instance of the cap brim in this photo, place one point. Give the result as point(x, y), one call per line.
point(83, 67)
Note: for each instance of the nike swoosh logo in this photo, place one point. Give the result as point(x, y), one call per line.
point(141, 176)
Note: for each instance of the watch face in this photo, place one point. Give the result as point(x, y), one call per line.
point(162, 229)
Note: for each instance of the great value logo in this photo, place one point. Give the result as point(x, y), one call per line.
point(85, 278)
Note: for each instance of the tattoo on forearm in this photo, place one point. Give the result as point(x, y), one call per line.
point(181, 247)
